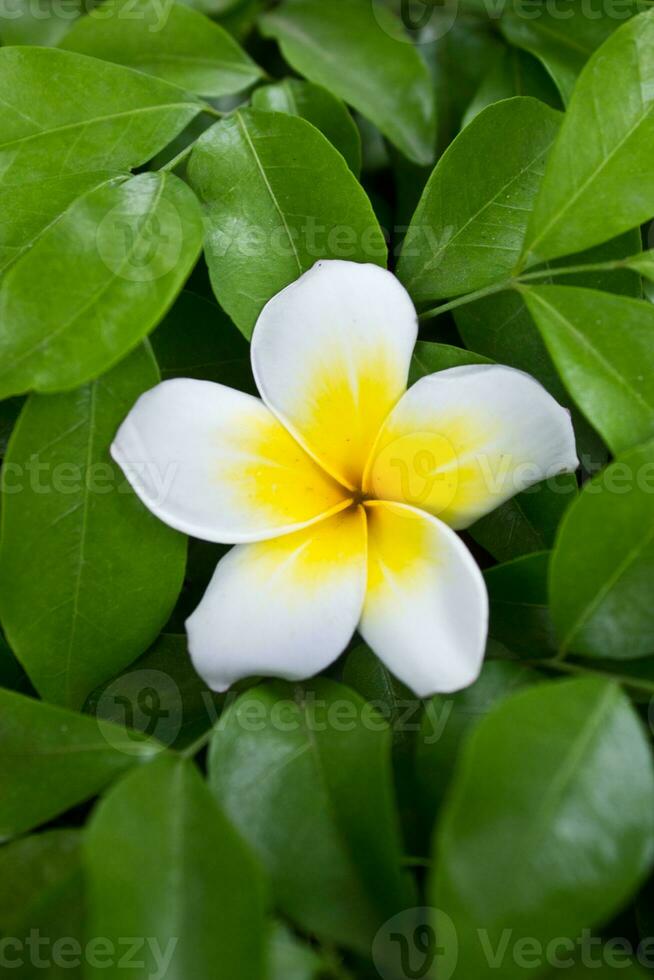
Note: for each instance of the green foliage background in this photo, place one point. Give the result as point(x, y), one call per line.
point(165, 170)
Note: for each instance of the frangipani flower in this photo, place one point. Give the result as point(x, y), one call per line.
point(340, 490)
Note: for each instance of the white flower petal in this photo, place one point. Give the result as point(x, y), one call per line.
point(426, 608)
point(331, 356)
point(217, 464)
point(286, 607)
point(464, 440)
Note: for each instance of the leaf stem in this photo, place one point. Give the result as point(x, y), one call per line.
point(566, 667)
point(178, 158)
point(192, 750)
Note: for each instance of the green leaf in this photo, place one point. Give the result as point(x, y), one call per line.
point(519, 614)
point(42, 23)
point(29, 208)
point(358, 51)
point(601, 573)
point(603, 348)
point(78, 600)
point(42, 894)
point(305, 771)
point(599, 967)
point(164, 863)
point(197, 340)
point(598, 182)
point(513, 73)
point(319, 107)
point(528, 521)
point(289, 959)
point(160, 695)
point(279, 197)
point(643, 264)
point(171, 41)
point(63, 113)
point(107, 272)
point(448, 720)
point(469, 226)
point(563, 38)
point(428, 358)
point(52, 759)
point(549, 826)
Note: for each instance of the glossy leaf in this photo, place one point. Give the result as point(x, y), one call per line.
point(319, 107)
point(78, 601)
point(278, 198)
point(602, 346)
point(305, 770)
point(469, 226)
point(549, 827)
point(514, 73)
point(563, 38)
point(111, 117)
point(171, 41)
point(52, 759)
point(519, 613)
point(42, 898)
point(598, 182)
point(197, 340)
point(164, 863)
point(107, 272)
point(601, 573)
point(358, 52)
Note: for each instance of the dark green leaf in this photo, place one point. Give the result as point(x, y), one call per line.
point(549, 827)
point(289, 959)
point(42, 897)
point(469, 226)
point(359, 52)
point(519, 614)
point(602, 566)
point(318, 106)
point(52, 759)
point(197, 340)
point(603, 347)
point(177, 44)
point(428, 358)
point(107, 272)
point(306, 771)
point(78, 600)
point(279, 197)
point(513, 73)
point(598, 182)
point(62, 113)
point(164, 863)
point(565, 36)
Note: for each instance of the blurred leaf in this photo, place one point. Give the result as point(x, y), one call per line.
point(63, 113)
point(165, 864)
point(563, 38)
point(289, 959)
point(9, 411)
point(160, 695)
point(598, 182)
point(168, 40)
point(197, 340)
point(107, 272)
point(52, 759)
point(643, 264)
point(549, 827)
point(42, 895)
point(528, 521)
point(513, 73)
point(602, 347)
point(447, 721)
point(319, 107)
point(601, 573)
point(359, 52)
point(469, 226)
point(78, 600)
point(279, 197)
point(40, 22)
point(305, 771)
point(519, 614)
point(428, 358)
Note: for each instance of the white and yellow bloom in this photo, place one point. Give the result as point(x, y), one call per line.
point(340, 491)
